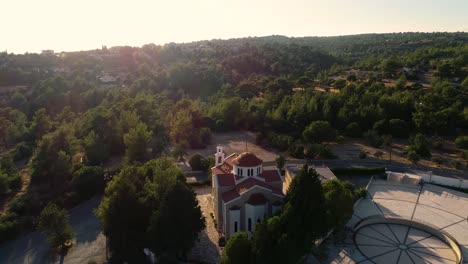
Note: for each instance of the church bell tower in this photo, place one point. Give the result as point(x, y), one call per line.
point(219, 156)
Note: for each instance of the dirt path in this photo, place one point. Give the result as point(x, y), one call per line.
point(206, 250)
point(89, 244)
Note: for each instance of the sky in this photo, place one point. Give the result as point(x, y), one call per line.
point(66, 25)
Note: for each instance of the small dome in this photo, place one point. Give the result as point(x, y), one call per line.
point(247, 159)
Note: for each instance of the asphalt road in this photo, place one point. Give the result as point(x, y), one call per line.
point(397, 167)
point(89, 243)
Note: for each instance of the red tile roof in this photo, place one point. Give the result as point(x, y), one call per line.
point(230, 195)
point(230, 159)
point(257, 199)
point(270, 175)
point(246, 185)
point(225, 180)
point(247, 159)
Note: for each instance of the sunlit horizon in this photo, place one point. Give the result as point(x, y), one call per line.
point(32, 26)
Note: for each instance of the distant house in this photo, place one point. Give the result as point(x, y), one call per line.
point(243, 192)
point(48, 52)
point(107, 79)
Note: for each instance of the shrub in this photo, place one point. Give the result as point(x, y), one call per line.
point(413, 156)
point(438, 160)
point(353, 130)
point(361, 193)
point(358, 171)
point(373, 138)
point(281, 142)
point(15, 181)
point(420, 145)
point(9, 226)
point(398, 128)
point(22, 151)
point(381, 127)
point(465, 154)
point(438, 144)
point(4, 183)
point(296, 151)
point(378, 154)
point(197, 162)
point(54, 223)
point(324, 152)
point(18, 205)
point(319, 131)
point(238, 249)
point(88, 180)
point(457, 164)
point(362, 155)
point(462, 142)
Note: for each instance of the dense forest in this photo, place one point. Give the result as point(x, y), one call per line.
point(67, 115)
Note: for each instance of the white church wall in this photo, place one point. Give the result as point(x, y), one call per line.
point(235, 221)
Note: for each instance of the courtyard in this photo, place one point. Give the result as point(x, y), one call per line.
point(405, 223)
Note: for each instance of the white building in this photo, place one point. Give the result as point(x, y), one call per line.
point(244, 193)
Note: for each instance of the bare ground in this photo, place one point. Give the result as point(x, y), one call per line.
point(206, 249)
point(235, 142)
point(350, 150)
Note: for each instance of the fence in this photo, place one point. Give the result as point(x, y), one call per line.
point(430, 178)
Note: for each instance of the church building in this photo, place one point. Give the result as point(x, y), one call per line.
point(243, 192)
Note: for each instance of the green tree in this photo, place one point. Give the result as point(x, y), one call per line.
point(124, 216)
point(462, 142)
point(378, 154)
point(178, 152)
point(420, 145)
point(174, 227)
point(150, 206)
point(303, 213)
point(41, 124)
point(54, 223)
point(88, 180)
point(137, 141)
point(280, 162)
point(96, 149)
point(238, 250)
point(353, 130)
point(340, 201)
point(197, 162)
point(51, 161)
point(4, 183)
point(413, 156)
point(319, 131)
point(340, 83)
point(128, 120)
point(401, 82)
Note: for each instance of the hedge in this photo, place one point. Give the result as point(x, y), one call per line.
point(358, 171)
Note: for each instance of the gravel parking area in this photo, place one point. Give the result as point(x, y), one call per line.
point(206, 250)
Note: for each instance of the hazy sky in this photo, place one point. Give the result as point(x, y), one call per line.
point(33, 25)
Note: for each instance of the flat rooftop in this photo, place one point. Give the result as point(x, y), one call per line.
point(439, 208)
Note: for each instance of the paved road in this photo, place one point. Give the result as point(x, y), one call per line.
point(397, 167)
point(89, 242)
